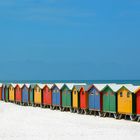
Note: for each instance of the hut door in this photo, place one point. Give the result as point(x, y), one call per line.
point(112, 100)
point(68, 98)
point(105, 101)
point(54, 98)
point(97, 100)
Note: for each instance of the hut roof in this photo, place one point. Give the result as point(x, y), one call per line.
point(114, 87)
point(41, 85)
point(32, 86)
point(27, 85)
point(13, 85)
point(100, 87)
point(50, 86)
point(20, 85)
point(130, 87)
point(59, 85)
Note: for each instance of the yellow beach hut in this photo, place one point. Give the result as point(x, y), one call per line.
point(126, 100)
point(38, 94)
point(11, 89)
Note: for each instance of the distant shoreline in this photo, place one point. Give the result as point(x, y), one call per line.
point(135, 82)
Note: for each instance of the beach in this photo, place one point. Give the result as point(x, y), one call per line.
point(26, 122)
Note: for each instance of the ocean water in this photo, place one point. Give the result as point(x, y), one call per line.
point(135, 82)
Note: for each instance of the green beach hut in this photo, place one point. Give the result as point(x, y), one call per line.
point(109, 100)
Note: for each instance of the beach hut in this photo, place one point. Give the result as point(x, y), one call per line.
point(0, 91)
point(18, 93)
point(137, 95)
point(47, 96)
point(94, 98)
point(38, 94)
point(109, 100)
point(67, 96)
point(6, 93)
point(83, 93)
point(56, 95)
point(3, 92)
point(31, 94)
point(126, 101)
point(25, 94)
point(12, 92)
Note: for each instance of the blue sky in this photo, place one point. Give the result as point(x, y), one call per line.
point(69, 39)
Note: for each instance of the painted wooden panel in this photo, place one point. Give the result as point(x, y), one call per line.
point(6, 93)
point(66, 97)
point(47, 96)
point(18, 93)
point(124, 101)
point(138, 102)
point(94, 99)
point(11, 93)
point(75, 98)
point(31, 95)
point(56, 96)
point(83, 99)
point(25, 94)
point(37, 95)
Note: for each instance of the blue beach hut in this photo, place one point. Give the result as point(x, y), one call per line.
point(25, 94)
point(56, 95)
point(94, 97)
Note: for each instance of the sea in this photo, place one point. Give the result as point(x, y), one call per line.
point(134, 82)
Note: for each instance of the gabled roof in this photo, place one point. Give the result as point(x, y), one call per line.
point(12, 84)
point(27, 85)
point(50, 86)
point(114, 87)
point(20, 85)
point(41, 85)
point(138, 88)
point(130, 87)
point(32, 86)
point(59, 85)
point(100, 87)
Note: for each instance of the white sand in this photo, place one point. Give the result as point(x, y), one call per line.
point(29, 123)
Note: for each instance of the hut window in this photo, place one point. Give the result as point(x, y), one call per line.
point(91, 93)
point(128, 94)
point(83, 92)
point(111, 93)
point(96, 93)
point(74, 92)
point(106, 93)
point(121, 94)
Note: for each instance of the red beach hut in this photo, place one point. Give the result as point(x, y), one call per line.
point(47, 95)
point(137, 92)
point(84, 98)
point(18, 93)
